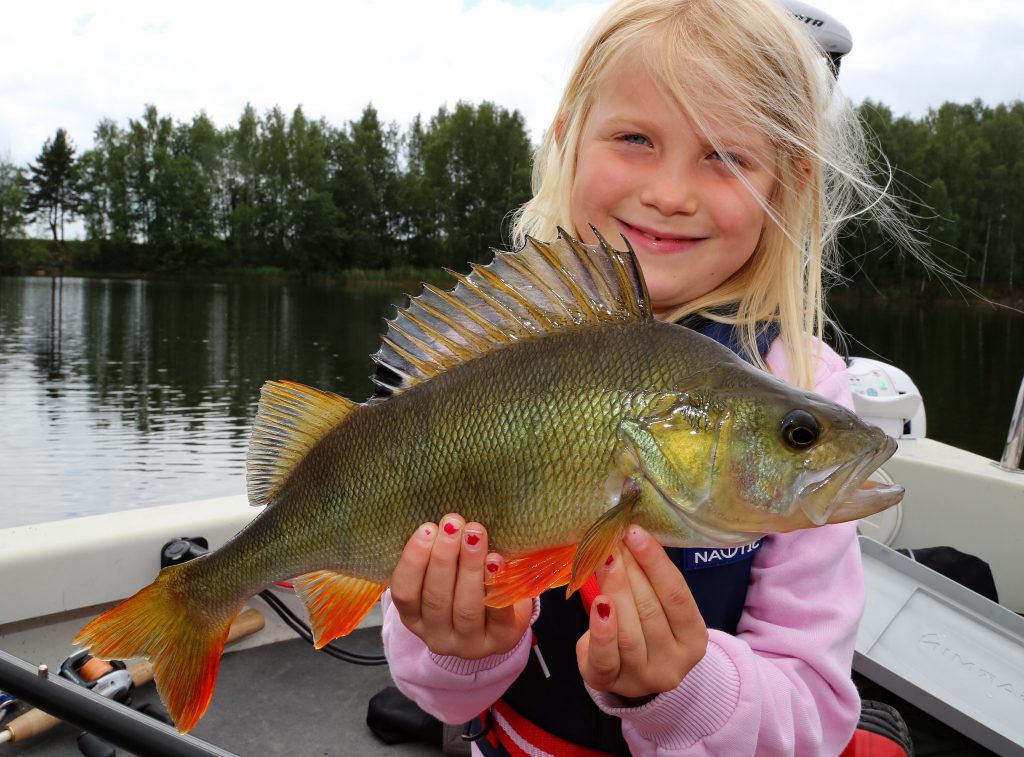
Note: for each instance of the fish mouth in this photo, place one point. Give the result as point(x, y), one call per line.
point(857, 496)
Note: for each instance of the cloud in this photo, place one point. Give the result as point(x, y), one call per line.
point(70, 63)
point(916, 54)
point(407, 57)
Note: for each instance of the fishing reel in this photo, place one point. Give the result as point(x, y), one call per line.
point(108, 679)
point(183, 549)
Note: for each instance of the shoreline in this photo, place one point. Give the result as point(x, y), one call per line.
point(409, 279)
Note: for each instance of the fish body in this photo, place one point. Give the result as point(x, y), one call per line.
point(539, 398)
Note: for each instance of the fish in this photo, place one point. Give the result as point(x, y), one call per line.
point(538, 396)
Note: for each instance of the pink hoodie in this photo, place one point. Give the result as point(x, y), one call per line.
point(780, 686)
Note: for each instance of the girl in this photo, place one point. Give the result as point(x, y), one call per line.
point(705, 133)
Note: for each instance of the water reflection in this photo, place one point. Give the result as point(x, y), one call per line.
point(119, 394)
point(967, 360)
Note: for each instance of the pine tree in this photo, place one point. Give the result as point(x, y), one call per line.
point(52, 192)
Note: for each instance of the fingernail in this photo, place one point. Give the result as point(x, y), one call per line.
point(604, 610)
point(427, 533)
point(609, 561)
point(635, 536)
point(492, 567)
point(450, 528)
point(472, 538)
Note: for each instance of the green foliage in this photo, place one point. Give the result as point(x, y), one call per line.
point(12, 197)
point(959, 171)
point(279, 191)
point(52, 194)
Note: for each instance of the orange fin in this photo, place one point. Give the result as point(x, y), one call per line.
point(182, 641)
point(599, 540)
point(528, 574)
point(336, 603)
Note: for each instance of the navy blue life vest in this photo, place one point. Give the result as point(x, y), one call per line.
point(718, 580)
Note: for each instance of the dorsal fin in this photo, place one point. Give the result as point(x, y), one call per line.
point(542, 288)
point(291, 418)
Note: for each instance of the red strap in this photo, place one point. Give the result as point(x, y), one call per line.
point(868, 744)
point(589, 591)
point(521, 738)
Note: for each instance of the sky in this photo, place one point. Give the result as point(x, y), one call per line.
point(71, 63)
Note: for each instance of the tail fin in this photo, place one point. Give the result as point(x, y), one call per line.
point(183, 642)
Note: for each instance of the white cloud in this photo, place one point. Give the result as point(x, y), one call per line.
point(68, 63)
point(405, 56)
point(917, 54)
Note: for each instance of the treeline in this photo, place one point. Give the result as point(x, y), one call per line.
point(277, 190)
point(960, 172)
point(296, 194)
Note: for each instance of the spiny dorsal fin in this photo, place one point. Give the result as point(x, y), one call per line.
point(291, 418)
point(542, 288)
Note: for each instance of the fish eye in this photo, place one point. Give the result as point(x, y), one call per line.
point(800, 429)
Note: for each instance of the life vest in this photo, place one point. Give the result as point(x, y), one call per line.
point(549, 711)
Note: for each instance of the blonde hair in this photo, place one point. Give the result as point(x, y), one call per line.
point(751, 62)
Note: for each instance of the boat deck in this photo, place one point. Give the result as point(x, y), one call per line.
point(286, 698)
point(279, 699)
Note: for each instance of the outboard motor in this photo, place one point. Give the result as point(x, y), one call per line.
point(886, 397)
point(833, 38)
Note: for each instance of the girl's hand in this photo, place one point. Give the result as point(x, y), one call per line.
point(646, 632)
point(438, 589)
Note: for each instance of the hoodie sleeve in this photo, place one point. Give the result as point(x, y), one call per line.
point(782, 684)
point(451, 689)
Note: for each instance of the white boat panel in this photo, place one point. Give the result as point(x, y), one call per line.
point(959, 499)
point(947, 650)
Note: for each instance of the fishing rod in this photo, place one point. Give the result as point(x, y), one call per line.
point(106, 718)
point(113, 680)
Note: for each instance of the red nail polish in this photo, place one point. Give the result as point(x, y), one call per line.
point(492, 567)
point(449, 528)
point(610, 560)
point(427, 532)
point(604, 610)
point(472, 539)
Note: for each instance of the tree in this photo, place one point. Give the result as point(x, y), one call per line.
point(52, 191)
point(11, 199)
point(477, 160)
point(364, 186)
point(103, 185)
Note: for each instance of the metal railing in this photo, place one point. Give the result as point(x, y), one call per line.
point(1010, 460)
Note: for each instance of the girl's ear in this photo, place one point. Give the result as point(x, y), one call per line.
point(559, 128)
point(803, 174)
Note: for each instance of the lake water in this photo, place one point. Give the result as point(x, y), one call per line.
point(120, 394)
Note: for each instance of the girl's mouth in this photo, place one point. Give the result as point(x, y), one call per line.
point(655, 241)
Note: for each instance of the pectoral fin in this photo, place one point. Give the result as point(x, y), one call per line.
point(600, 539)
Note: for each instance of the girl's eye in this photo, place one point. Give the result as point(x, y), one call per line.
point(728, 158)
point(635, 139)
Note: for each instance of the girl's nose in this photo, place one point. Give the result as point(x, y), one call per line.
point(670, 191)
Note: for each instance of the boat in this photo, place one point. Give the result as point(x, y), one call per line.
point(277, 695)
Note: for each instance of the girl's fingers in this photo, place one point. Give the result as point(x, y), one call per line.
point(654, 623)
point(670, 592)
point(597, 652)
point(439, 580)
point(468, 611)
point(407, 578)
point(615, 583)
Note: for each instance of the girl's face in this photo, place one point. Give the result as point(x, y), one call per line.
point(643, 171)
